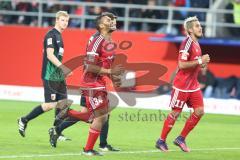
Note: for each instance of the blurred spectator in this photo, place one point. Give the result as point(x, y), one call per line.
point(238, 89)
point(1, 20)
point(236, 11)
point(199, 4)
point(233, 18)
point(226, 87)
point(26, 7)
point(118, 11)
point(207, 82)
point(181, 15)
point(93, 11)
point(75, 22)
point(6, 19)
point(165, 29)
point(163, 2)
point(51, 7)
point(136, 13)
point(151, 14)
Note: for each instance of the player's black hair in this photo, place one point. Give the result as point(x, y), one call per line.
point(103, 14)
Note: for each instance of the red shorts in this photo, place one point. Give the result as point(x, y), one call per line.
point(95, 99)
point(192, 99)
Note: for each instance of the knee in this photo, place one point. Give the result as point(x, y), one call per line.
point(64, 102)
point(48, 106)
point(175, 114)
point(199, 112)
point(102, 119)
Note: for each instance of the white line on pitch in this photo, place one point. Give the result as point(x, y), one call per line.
point(121, 152)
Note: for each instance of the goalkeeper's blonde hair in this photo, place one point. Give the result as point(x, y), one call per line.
point(61, 13)
point(188, 23)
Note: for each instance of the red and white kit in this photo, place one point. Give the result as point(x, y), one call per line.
point(100, 53)
point(186, 88)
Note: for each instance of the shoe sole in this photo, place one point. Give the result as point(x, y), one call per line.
point(160, 148)
point(104, 150)
point(86, 154)
point(177, 144)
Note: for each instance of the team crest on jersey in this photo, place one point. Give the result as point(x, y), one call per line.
point(49, 41)
point(53, 97)
point(110, 46)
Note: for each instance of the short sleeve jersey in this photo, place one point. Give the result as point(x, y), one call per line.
point(52, 39)
point(186, 79)
point(99, 53)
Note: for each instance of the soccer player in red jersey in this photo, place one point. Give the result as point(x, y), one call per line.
point(98, 64)
point(103, 146)
point(186, 89)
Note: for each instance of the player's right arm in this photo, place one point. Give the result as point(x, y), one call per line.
point(50, 50)
point(93, 58)
point(52, 58)
point(92, 67)
point(184, 56)
point(203, 60)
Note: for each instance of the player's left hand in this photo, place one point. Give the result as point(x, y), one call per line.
point(66, 71)
point(117, 70)
point(70, 74)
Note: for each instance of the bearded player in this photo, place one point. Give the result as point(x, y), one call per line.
point(104, 145)
point(98, 64)
point(186, 89)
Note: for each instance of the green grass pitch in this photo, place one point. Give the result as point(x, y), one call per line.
point(132, 130)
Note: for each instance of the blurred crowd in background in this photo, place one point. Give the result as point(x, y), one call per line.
point(51, 7)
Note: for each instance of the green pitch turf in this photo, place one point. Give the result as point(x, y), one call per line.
point(134, 131)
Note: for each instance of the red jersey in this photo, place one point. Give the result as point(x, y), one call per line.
point(99, 52)
point(186, 79)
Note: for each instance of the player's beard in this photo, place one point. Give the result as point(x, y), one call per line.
point(112, 29)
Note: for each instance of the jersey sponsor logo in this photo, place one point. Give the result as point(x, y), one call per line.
point(110, 46)
point(58, 41)
point(61, 50)
point(49, 41)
